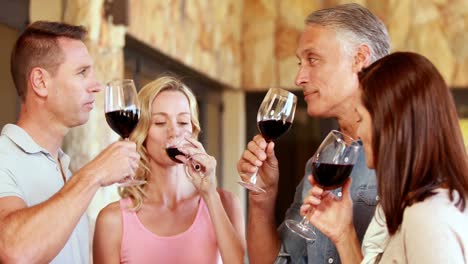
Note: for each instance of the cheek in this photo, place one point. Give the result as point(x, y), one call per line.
point(154, 140)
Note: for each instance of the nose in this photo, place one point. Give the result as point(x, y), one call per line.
point(95, 85)
point(301, 77)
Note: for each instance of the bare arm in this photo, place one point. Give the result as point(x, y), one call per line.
point(37, 234)
point(224, 208)
point(108, 235)
point(228, 221)
point(263, 243)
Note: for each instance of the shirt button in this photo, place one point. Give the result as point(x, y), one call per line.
point(330, 260)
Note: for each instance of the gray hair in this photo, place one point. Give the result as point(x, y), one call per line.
point(356, 25)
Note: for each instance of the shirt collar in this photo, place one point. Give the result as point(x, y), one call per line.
point(24, 141)
point(21, 138)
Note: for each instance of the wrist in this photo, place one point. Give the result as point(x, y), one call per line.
point(263, 201)
point(210, 196)
point(89, 177)
point(348, 237)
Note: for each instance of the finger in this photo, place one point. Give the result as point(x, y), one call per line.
point(312, 200)
point(270, 150)
point(305, 208)
point(256, 150)
point(311, 180)
point(260, 141)
point(316, 190)
point(251, 158)
point(195, 143)
point(347, 187)
point(134, 156)
point(246, 168)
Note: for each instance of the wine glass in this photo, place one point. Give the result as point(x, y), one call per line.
point(122, 113)
point(274, 118)
point(194, 167)
point(332, 164)
point(191, 163)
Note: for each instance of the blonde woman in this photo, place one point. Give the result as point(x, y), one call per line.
point(170, 219)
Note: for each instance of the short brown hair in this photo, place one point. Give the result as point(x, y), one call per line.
point(417, 141)
point(37, 46)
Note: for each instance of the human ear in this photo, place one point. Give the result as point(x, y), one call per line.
point(38, 79)
point(362, 58)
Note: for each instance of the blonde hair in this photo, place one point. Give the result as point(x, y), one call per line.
point(146, 97)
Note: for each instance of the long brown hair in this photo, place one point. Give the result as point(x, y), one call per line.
point(417, 141)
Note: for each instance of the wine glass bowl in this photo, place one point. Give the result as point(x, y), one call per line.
point(274, 118)
point(122, 112)
point(173, 146)
point(331, 166)
point(192, 165)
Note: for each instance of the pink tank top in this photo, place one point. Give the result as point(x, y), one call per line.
point(195, 245)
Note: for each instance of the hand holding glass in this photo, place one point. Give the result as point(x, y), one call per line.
point(332, 164)
point(274, 118)
point(191, 164)
point(122, 112)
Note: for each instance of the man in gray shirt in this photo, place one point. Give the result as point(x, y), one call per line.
point(41, 203)
point(335, 45)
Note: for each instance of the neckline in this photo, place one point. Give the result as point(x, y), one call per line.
point(201, 205)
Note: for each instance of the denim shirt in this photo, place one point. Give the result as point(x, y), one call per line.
point(296, 250)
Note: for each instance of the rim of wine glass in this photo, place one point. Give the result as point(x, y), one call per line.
point(179, 139)
point(284, 93)
point(351, 142)
point(120, 81)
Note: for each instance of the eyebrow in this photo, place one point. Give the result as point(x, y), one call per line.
point(306, 51)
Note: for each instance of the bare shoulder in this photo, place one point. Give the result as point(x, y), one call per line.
point(110, 215)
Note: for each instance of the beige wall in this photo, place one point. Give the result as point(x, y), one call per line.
point(203, 34)
point(437, 29)
point(8, 98)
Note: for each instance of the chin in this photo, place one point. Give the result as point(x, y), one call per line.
point(80, 121)
point(370, 163)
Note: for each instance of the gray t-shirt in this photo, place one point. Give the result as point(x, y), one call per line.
point(29, 172)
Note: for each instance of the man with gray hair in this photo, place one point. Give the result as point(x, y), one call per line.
point(335, 45)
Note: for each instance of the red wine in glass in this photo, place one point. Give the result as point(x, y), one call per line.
point(331, 176)
point(273, 129)
point(122, 113)
point(274, 117)
point(123, 121)
point(332, 164)
point(172, 152)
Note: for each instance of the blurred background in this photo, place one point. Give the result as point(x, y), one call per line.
point(229, 52)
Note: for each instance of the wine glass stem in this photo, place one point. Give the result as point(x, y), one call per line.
point(253, 178)
point(305, 219)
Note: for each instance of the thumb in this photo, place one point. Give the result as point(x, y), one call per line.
point(347, 187)
point(270, 150)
